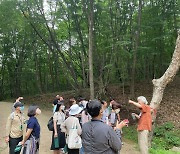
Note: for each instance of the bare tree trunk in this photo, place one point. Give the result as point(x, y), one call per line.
point(137, 36)
point(37, 71)
point(161, 83)
point(91, 78)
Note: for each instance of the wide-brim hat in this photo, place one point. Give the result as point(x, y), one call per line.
point(75, 109)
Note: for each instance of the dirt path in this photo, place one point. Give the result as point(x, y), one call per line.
point(5, 109)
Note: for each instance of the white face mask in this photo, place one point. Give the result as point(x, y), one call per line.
point(38, 111)
point(62, 107)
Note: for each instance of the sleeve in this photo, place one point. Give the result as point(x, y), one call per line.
point(31, 124)
point(115, 139)
point(144, 107)
point(8, 125)
point(55, 102)
point(79, 130)
point(83, 117)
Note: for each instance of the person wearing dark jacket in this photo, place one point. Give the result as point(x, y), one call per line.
point(97, 137)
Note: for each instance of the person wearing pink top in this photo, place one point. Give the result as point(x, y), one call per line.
point(85, 117)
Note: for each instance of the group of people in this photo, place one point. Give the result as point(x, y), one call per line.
point(97, 126)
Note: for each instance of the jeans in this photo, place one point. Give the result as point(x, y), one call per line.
point(81, 151)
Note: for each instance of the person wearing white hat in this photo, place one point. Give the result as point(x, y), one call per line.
point(70, 121)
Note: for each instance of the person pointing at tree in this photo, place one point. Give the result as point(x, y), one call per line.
point(144, 122)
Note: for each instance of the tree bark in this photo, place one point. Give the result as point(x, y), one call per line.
point(91, 78)
point(161, 83)
point(37, 71)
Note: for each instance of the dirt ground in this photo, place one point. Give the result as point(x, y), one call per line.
point(5, 109)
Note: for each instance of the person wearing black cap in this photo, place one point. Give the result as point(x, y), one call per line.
point(17, 101)
point(14, 127)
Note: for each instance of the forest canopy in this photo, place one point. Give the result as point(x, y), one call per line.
point(44, 44)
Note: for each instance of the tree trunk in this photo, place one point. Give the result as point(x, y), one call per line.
point(161, 83)
point(91, 78)
point(137, 36)
point(37, 71)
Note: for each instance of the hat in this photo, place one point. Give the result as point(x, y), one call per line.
point(18, 104)
point(75, 109)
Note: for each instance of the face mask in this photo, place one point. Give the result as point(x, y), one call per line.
point(22, 108)
point(38, 111)
point(62, 107)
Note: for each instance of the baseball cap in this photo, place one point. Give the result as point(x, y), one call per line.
point(18, 104)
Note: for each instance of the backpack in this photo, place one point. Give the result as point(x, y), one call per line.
point(50, 124)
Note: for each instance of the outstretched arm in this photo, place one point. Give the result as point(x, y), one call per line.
point(134, 103)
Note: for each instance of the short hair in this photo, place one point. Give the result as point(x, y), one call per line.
point(103, 102)
point(94, 107)
point(32, 110)
point(58, 106)
point(71, 101)
point(143, 99)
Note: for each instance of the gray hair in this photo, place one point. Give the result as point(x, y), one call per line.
point(32, 110)
point(143, 99)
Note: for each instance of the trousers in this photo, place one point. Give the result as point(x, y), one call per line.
point(143, 141)
point(13, 142)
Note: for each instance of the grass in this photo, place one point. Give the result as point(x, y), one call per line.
point(130, 133)
point(164, 139)
point(160, 151)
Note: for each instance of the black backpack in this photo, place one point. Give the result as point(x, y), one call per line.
point(50, 124)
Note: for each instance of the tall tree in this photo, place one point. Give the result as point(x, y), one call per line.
point(91, 28)
point(136, 45)
point(161, 83)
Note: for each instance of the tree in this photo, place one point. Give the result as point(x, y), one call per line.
point(91, 27)
point(161, 83)
point(136, 45)
point(45, 49)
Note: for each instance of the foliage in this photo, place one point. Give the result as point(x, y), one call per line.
point(130, 133)
point(165, 137)
point(44, 45)
point(153, 151)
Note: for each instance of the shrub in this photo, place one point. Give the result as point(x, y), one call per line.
point(165, 137)
point(160, 151)
point(161, 130)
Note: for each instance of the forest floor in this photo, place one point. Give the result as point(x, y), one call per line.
point(5, 107)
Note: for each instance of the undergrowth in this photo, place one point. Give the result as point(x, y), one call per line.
point(165, 137)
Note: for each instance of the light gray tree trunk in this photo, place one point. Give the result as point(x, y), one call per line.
point(161, 83)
